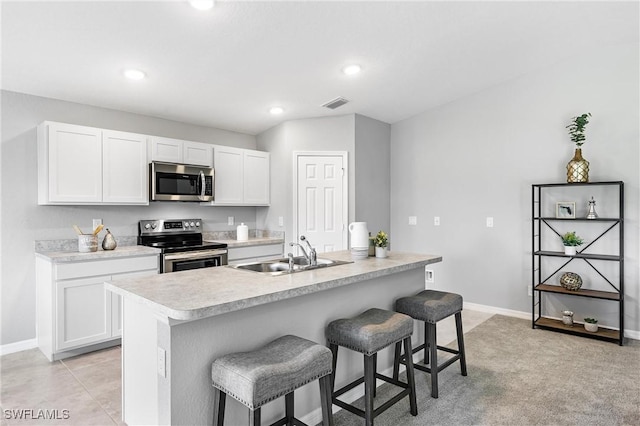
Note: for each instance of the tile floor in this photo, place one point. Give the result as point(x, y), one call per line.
point(89, 386)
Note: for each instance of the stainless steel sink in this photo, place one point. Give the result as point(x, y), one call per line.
point(281, 266)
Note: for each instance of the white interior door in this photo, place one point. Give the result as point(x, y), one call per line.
point(321, 200)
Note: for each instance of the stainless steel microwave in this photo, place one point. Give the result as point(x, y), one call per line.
point(180, 182)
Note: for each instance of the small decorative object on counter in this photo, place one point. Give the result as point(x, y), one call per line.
point(567, 318)
point(87, 243)
point(570, 241)
point(591, 214)
point(242, 233)
point(578, 167)
point(591, 324)
point(372, 245)
point(109, 242)
point(571, 281)
point(381, 241)
point(359, 240)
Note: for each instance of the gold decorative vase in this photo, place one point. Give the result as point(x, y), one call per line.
point(578, 168)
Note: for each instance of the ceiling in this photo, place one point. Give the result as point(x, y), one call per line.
point(227, 66)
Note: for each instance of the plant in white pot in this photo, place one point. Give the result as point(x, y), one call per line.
point(381, 242)
point(571, 241)
point(591, 324)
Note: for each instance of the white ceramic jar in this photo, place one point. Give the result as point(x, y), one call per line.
point(359, 235)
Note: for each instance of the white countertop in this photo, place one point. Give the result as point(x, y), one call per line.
point(75, 256)
point(200, 293)
point(261, 241)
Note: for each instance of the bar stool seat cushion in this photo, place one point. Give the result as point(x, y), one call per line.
point(276, 369)
point(370, 331)
point(430, 305)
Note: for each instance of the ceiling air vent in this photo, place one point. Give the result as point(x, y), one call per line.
point(335, 103)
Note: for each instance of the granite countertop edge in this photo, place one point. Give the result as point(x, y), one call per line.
point(382, 267)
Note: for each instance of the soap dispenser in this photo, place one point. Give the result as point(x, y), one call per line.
point(243, 232)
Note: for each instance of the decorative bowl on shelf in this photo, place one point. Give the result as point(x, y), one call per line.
point(571, 281)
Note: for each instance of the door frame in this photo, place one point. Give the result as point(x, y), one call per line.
point(345, 189)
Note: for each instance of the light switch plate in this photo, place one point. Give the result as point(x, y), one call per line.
point(413, 220)
point(96, 222)
point(436, 221)
point(230, 220)
point(489, 222)
point(280, 221)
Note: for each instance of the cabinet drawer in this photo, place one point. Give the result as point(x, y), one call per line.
point(255, 251)
point(105, 267)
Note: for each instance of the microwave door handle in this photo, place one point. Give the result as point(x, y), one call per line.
point(203, 185)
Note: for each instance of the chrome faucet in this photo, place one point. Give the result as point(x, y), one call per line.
point(291, 263)
point(312, 257)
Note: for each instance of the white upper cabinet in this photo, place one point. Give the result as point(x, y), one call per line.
point(183, 152)
point(124, 162)
point(85, 165)
point(241, 176)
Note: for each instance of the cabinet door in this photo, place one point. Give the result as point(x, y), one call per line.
point(73, 163)
point(124, 160)
point(83, 312)
point(197, 153)
point(116, 301)
point(166, 149)
point(256, 178)
point(228, 165)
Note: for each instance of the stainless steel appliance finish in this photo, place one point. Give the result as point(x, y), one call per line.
point(181, 244)
point(180, 182)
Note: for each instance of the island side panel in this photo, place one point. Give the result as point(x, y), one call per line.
point(195, 344)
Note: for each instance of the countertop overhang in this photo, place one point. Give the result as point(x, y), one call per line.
point(201, 293)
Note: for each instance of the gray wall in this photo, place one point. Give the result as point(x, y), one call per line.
point(372, 174)
point(478, 157)
point(23, 221)
point(315, 134)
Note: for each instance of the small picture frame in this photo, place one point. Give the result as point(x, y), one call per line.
point(566, 210)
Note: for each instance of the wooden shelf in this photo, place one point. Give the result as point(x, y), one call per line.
point(596, 294)
point(577, 329)
point(579, 255)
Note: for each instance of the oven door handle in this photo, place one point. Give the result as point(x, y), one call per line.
point(194, 255)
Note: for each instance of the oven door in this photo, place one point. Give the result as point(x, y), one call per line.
point(184, 261)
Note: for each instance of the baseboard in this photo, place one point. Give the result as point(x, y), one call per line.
point(18, 346)
point(499, 311)
point(631, 334)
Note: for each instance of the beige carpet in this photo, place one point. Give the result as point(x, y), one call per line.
point(520, 376)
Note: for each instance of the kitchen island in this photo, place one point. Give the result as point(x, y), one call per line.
point(176, 324)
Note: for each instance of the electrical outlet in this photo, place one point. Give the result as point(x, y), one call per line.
point(413, 220)
point(230, 220)
point(162, 362)
point(436, 221)
point(280, 221)
point(429, 276)
point(489, 222)
point(96, 222)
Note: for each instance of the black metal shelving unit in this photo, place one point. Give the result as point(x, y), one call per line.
point(540, 283)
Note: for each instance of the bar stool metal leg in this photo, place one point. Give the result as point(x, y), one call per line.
point(218, 407)
point(410, 378)
point(325, 400)
point(396, 361)
point(288, 407)
point(463, 359)
point(426, 343)
point(433, 346)
point(369, 385)
point(334, 362)
point(254, 417)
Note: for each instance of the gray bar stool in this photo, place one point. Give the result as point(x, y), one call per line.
point(432, 306)
point(276, 369)
point(368, 333)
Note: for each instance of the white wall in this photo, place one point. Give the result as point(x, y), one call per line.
point(478, 157)
point(23, 221)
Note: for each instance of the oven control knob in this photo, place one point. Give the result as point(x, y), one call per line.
point(154, 225)
point(147, 226)
point(186, 224)
point(193, 224)
point(197, 224)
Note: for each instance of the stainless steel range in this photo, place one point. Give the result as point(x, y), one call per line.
point(181, 245)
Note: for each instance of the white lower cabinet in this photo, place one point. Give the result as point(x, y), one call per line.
point(247, 254)
point(75, 311)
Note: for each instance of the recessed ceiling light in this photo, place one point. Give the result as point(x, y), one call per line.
point(352, 69)
point(276, 110)
point(134, 74)
point(201, 4)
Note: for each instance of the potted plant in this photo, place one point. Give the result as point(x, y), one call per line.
point(570, 241)
point(591, 324)
point(578, 167)
point(381, 242)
